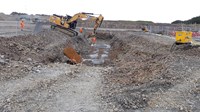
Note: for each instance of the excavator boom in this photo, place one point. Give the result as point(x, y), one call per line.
point(79, 16)
point(68, 23)
point(98, 22)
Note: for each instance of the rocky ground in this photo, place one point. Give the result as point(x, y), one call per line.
point(148, 77)
point(140, 74)
point(35, 75)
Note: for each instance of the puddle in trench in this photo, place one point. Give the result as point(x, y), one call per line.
point(99, 53)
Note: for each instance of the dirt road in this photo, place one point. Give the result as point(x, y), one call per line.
point(56, 87)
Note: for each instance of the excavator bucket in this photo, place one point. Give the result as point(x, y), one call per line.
point(72, 55)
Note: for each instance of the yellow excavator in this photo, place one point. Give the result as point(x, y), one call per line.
point(144, 29)
point(67, 24)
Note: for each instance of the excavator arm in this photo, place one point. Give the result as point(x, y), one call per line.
point(69, 23)
point(98, 20)
point(79, 16)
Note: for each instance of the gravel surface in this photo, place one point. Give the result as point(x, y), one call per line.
point(141, 74)
point(148, 77)
point(35, 76)
point(56, 87)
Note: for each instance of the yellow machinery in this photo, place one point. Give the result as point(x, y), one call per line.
point(144, 29)
point(184, 39)
point(67, 24)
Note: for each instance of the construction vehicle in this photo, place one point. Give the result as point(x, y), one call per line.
point(144, 29)
point(184, 39)
point(67, 24)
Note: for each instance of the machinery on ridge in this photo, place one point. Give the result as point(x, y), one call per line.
point(184, 39)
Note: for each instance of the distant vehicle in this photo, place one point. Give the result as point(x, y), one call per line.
point(184, 39)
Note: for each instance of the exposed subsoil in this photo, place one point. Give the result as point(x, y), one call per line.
point(141, 74)
point(35, 75)
point(148, 77)
point(20, 52)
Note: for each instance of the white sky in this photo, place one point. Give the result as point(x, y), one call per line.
point(164, 11)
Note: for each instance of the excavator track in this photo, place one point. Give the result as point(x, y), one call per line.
point(67, 31)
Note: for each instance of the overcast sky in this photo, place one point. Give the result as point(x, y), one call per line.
point(164, 11)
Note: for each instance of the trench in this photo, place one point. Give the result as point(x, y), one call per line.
point(98, 54)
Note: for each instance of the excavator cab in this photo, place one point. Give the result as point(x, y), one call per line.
point(73, 24)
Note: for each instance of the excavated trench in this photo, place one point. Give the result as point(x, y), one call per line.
point(143, 68)
point(47, 47)
point(35, 77)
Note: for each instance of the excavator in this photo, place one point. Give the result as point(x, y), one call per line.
point(145, 29)
point(67, 24)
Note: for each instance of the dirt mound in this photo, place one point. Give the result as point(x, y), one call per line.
point(39, 47)
point(23, 54)
point(144, 67)
point(187, 50)
point(44, 47)
point(104, 35)
point(139, 55)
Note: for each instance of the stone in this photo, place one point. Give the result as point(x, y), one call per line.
point(29, 59)
point(2, 62)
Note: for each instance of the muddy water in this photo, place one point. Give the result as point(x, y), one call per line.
point(99, 53)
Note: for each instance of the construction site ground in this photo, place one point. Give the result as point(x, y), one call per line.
point(140, 74)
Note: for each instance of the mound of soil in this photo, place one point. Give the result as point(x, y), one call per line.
point(22, 54)
point(104, 35)
point(144, 66)
point(44, 47)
